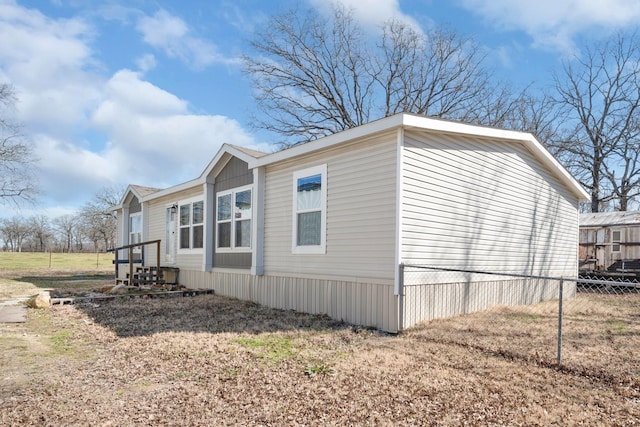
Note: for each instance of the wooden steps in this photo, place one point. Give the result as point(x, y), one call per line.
point(150, 276)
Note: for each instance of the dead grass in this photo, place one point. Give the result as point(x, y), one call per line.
point(11, 289)
point(210, 360)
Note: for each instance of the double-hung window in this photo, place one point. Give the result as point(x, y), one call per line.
point(310, 210)
point(135, 230)
point(615, 241)
point(191, 224)
point(233, 218)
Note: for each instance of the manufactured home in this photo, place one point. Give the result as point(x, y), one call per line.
point(610, 241)
point(327, 226)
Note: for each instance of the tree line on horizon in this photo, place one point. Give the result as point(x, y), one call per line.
point(91, 229)
point(314, 76)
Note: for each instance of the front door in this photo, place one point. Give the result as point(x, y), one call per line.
point(170, 236)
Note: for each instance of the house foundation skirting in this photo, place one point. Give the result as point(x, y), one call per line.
point(423, 302)
point(365, 304)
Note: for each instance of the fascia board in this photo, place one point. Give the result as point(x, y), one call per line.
point(328, 141)
point(225, 149)
point(130, 189)
point(548, 160)
point(407, 120)
point(175, 189)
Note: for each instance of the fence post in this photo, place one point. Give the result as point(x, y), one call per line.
point(401, 297)
point(560, 314)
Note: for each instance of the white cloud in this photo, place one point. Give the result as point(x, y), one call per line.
point(553, 24)
point(172, 35)
point(92, 128)
point(126, 90)
point(151, 131)
point(47, 61)
point(146, 63)
point(371, 13)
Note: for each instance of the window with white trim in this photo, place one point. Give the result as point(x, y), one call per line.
point(191, 217)
point(233, 220)
point(309, 210)
point(615, 241)
point(135, 230)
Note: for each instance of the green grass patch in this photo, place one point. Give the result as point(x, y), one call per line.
point(56, 261)
point(272, 348)
point(61, 342)
point(615, 326)
point(318, 368)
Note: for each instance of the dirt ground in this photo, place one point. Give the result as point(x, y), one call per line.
point(210, 360)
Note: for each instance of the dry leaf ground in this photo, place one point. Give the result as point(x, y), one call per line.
point(210, 360)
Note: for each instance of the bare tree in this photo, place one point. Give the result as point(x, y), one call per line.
point(96, 218)
point(313, 76)
point(600, 94)
point(438, 74)
point(310, 78)
point(66, 227)
point(17, 162)
point(41, 231)
point(14, 232)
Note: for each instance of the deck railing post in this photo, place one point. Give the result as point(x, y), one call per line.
point(131, 266)
point(117, 264)
point(157, 261)
point(131, 261)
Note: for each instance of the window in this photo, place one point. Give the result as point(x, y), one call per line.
point(191, 217)
point(309, 210)
point(234, 220)
point(590, 236)
point(135, 230)
point(615, 241)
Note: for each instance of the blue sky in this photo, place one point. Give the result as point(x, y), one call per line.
point(145, 92)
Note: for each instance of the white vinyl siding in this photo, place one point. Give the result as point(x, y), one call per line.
point(485, 205)
point(360, 236)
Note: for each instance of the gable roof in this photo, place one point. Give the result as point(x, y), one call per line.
point(603, 219)
point(253, 153)
point(141, 191)
point(225, 152)
point(419, 122)
point(398, 121)
point(245, 154)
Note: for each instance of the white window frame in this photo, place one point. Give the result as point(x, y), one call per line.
point(191, 249)
point(310, 249)
point(138, 216)
point(615, 244)
point(233, 222)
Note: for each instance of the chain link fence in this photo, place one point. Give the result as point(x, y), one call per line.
point(587, 324)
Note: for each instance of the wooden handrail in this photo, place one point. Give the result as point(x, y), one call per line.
point(135, 245)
